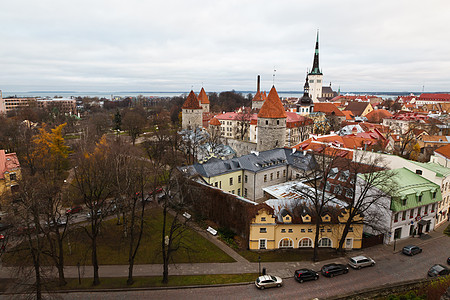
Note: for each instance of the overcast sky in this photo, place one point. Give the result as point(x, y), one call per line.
point(137, 45)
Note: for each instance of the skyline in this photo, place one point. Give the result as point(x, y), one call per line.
point(182, 45)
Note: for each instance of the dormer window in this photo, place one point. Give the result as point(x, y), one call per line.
point(404, 201)
point(263, 219)
point(287, 218)
point(420, 198)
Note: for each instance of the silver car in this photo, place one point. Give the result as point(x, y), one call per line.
point(267, 281)
point(359, 262)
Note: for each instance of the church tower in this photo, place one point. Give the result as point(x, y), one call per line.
point(305, 105)
point(271, 123)
point(203, 100)
point(191, 113)
point(315, 76)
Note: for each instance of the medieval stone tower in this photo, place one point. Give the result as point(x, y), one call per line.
point(258, 99)
point(315, 77)
point(192, 113)
point(271, 123)
point(204, 100)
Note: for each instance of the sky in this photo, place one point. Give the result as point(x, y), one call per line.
point(171, 45)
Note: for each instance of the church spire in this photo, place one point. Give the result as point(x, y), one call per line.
point(315, 68)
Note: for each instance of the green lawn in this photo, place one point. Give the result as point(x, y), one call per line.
point(155, 281)
point(113, 247)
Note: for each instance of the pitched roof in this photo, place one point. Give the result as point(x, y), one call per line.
point(328, 108)
point(377, 115)
point(272, 107)
point(214, 121)
point(191, 102)
point(257, 97)
point(202, 97)
point(435, 97)
point(356, 107)
point(8, 163)
point(348, 115)
point(444, 151)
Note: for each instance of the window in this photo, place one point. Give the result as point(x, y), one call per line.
point(239, 179)
point(349, 193)
point(215, 184)
point(267, 122)
point(263, 219)
point(404, 201)
point(328, 230)
point(420, 198)
point(278, 122)
point(245, 178)
point(286, 243)
point(262, 244)
point(12, 176)
point(396, 217)
point(426, 210)
point(344, 176)
point(263, 230)
point(404, 215)
point(311, 81)
point(283, 230)
point(245, 192)
point(434, 194)
point(278, 174)
point(419, 172)
point(325, 242)
point(327, 186)
point(309, 230)
point(290, 230)
point(287, 218)
point(333, 173)
point(284, 173)
point(411, 213)
point(305, 242)
point(350, 229)
point(271, 176)
point(433, 207)
point(302, 230)
point(231, 181)
point(322, 230)
point(265, 178)
point(338, 189)
point(239, 192)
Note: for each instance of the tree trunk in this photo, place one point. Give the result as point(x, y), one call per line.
point(38, 279)
point(62, 279)
point(316, 243)
point(95, 261)
point(165, 251)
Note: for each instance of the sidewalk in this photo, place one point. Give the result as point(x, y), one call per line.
point(283, 269)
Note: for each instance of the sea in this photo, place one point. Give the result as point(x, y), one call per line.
point(112, 95)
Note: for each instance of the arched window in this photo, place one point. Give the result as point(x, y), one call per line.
point(286, 243)
point(305, 243)
point(325, 242)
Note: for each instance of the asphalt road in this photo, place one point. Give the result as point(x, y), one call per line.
point(389, 269)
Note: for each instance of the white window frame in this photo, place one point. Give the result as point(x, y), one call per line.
point(310, 244)
point(264, 242)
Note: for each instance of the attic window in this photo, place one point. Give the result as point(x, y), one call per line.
point(263, 219)
point(419, 172)
point(420, 198)
point(287, 218)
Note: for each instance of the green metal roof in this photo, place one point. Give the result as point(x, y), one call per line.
point(440, 171)
point(412, 188)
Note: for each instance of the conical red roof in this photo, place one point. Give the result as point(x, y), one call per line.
point(214, 121)
point(258, 97)
point(191, 102)
point(203, 97)
point(272, 107)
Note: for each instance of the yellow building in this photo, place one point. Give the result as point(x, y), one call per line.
point(9, 172)
point(285, 230)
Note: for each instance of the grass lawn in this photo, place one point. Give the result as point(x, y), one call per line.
point(287, 255)
point(155, 281)
point(113, 247)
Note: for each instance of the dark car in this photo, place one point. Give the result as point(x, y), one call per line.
point(331, 270)
point(305, 275)
point(448, 261)
point(438, 271)
point(411, 250)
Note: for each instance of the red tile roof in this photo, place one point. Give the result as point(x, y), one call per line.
point(295, 120)
point(191, 102)
point(377, 115)
point(8, 163)
point(327, 108)
point(258, 97)
point(202, 97)
point(435, 97)
point(444, 151)
point(214, 121)
point(272, 107)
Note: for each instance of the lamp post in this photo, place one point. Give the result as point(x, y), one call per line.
point(259, 265)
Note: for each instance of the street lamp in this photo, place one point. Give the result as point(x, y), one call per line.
point(259, 265)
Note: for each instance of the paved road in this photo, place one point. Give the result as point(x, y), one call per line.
point(390, 268)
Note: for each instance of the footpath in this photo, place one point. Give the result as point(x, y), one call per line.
point(282, 269)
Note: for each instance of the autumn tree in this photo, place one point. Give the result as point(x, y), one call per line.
point(134, 121)
point(93, 180)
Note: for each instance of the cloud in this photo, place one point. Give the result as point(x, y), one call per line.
point(173, 45)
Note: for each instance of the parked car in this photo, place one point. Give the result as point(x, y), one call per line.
point(331, 270)
point(99, 214)
point(305, 275)
point(74, 210)
point(267, 281)
point(359, 262)
point(448, 261)
point(438, 271)
point(411, 250)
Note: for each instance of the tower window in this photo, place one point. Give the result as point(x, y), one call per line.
point(267, 122)
point(278, 122)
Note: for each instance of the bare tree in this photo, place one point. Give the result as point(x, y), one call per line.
point(243, 124)
point(134, 122)
point(93, 180)
point(363, 173)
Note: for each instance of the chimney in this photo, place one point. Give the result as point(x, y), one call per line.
point(257, 89)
